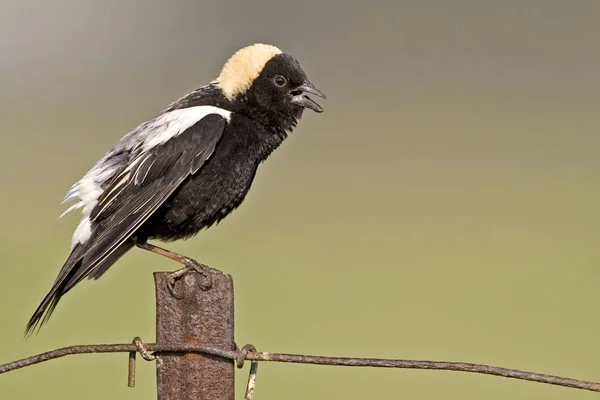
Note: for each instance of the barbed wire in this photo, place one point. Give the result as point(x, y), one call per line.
point(248, 352)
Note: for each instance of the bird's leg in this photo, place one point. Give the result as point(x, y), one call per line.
point(186, 261)
point(189, 264)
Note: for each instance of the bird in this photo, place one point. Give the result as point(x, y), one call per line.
point(185, 169)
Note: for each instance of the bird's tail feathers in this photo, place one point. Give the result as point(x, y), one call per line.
point(110, 259)
point(59, 288)
point(76, 268)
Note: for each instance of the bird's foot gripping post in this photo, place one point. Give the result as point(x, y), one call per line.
point(190, 265)
point(194, 316)
point(204, 278)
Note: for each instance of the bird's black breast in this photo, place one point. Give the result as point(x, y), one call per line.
point(219, 187)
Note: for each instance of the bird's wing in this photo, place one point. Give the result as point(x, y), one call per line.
point(158, 165)
point(150, 178)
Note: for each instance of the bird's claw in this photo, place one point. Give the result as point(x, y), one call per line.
point(204, 280)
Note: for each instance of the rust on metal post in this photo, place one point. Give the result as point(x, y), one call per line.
point(197, 310)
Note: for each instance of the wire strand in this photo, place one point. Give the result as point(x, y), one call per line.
point(303, 359)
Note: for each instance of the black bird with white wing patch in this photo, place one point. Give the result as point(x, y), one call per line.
point(185, 169)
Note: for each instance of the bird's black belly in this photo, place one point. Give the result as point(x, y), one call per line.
point(208, 196)
point(202, 200)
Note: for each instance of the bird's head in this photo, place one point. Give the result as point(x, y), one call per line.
point(268, 80)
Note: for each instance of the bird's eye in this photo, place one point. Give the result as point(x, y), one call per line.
point(280, 80)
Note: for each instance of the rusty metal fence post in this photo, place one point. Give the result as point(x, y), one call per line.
point(197, 310)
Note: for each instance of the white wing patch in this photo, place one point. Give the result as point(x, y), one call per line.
point(171, 124)
point(146, 136)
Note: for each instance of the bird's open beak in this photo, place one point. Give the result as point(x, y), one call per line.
point(299, 96)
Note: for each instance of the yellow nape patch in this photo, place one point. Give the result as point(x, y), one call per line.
point(244, 67)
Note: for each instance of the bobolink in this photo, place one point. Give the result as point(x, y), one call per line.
point(185, 169)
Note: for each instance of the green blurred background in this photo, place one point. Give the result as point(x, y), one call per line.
point(445, 206)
